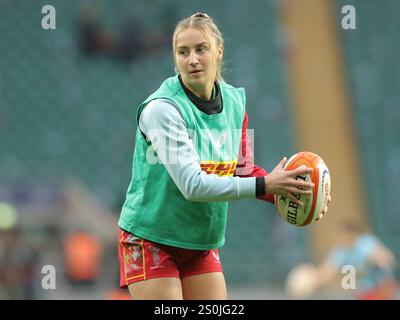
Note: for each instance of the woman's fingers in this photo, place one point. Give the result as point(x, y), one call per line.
point(302, 170)
point(322, 213)
point(281, 164)
point(294, 199)
point(297, 190)
point(300, 184)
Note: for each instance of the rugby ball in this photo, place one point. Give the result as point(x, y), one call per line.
point(302, 281)
point(313, 203)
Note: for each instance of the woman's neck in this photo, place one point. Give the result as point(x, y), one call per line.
point(203, 92)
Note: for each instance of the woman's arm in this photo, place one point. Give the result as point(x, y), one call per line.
point(279, 181)
point(246, 166)
point(165, 128)
point(162, 123)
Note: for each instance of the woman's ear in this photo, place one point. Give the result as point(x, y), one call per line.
point(220, 53)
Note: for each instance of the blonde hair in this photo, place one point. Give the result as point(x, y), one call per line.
point(205, 24)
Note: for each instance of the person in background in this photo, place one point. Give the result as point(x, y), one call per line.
point(372, 260)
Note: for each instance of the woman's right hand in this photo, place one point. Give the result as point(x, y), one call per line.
point(283, 182)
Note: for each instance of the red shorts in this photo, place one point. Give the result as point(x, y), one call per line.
point(141, 259)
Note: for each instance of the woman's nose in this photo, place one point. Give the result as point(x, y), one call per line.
point(193, 59)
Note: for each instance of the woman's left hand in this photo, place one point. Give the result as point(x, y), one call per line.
point(323, 212)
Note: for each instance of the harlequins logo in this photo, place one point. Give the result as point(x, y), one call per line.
point(222, 139)
point(156, 256)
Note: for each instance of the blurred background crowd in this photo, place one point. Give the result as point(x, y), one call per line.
point(68, 101)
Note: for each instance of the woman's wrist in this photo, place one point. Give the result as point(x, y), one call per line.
point(266, 185)
point(260, 187)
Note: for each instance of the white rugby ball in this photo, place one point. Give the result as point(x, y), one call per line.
point(315, 202)
point(302, 281)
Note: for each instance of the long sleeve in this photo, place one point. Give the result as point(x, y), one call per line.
point(246, 166)
point(164, 127)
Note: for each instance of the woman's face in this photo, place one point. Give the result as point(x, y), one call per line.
point(195, 60)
